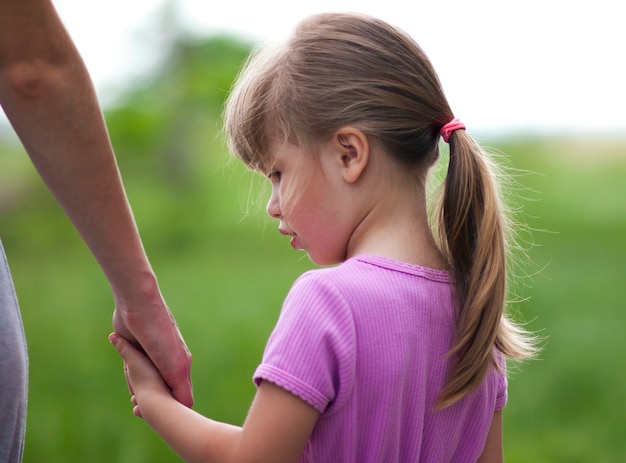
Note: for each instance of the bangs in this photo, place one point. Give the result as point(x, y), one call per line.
point(253, 117)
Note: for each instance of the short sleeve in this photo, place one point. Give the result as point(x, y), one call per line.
point(311, 351)
point(502, 392)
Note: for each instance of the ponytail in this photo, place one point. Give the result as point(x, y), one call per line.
point(316, 83)
point(473, 237)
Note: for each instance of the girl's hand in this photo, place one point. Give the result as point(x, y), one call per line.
point(276, 429)
point(141, 374)
point(146, 321)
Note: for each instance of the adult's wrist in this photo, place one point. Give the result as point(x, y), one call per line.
point(138, 293)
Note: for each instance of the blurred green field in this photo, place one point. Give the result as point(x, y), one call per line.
point(225, 270)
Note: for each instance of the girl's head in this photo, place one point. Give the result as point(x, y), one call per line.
point(348, 70)
point(338, 70)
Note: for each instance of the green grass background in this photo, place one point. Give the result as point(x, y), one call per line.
point(224, 271)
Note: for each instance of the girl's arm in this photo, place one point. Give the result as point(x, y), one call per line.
point(48, 96)
point(276, 429)
point(492, 453)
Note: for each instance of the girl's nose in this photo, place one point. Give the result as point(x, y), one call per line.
point(273, 206)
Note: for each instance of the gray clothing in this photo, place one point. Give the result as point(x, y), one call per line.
point(13, 370)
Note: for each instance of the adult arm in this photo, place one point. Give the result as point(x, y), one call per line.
point(492, 453)
point(48, 96)
point(276, 429)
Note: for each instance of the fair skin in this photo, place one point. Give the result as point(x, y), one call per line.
point(353, 199)
point(382, 210)
point(492, 453)
point(48, 96)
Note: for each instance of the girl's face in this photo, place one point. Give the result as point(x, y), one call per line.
point(306, 199)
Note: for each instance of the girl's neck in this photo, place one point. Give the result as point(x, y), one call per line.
point(397, 227)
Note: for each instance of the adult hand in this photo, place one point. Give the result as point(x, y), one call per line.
point(150, 325)
point(47, 94)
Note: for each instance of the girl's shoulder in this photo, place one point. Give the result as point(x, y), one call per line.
point(368, 272)
point(367, 264)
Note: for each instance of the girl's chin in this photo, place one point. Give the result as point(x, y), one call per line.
point(323, 261)
point(294, 243)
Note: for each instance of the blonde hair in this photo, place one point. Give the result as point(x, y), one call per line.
point(347, 69)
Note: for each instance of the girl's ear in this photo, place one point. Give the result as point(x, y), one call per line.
point(354, 150)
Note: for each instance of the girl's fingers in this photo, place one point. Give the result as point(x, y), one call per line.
point(119, 343)
point(136, 410)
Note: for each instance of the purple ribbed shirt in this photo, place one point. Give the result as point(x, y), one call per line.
point(365, 343)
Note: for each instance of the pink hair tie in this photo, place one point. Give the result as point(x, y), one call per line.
point(447, 129)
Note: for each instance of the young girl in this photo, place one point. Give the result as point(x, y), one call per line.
point(397, 353)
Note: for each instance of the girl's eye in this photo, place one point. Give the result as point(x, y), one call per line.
point(274, 176)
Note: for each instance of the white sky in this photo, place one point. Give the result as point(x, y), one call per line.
point(538, 65)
